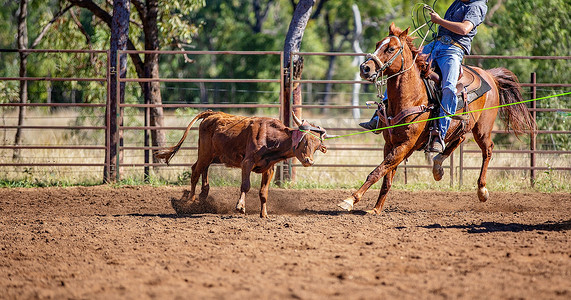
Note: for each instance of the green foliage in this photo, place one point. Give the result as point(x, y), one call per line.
point(536, 28)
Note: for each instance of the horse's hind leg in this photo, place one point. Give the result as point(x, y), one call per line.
point(437, 170)
point(485, 142)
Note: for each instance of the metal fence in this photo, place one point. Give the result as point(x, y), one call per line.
point(103, 163)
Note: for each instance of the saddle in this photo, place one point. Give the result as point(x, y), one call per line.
point(470, 87)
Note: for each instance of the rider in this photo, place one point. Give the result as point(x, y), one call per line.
point(455, 34)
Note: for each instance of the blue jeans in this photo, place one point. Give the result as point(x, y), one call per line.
point(449, 60)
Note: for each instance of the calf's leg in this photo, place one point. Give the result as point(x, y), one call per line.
point(197, 169)
point(205, 185)
point(245, 187)
point(264, 188)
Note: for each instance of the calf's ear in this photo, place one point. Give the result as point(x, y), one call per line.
point(323, 148)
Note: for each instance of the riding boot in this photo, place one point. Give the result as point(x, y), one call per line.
point(436, 143)
point(374, 122)
point(371, 124)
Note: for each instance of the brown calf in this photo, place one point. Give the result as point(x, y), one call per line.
point(250, 143)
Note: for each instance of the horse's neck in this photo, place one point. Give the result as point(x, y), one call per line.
point(407, 90)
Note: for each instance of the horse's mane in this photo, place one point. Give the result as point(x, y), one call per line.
point(422, 59)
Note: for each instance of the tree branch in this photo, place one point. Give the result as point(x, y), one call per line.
point(491, 12)
point(81, 29)
point(318, 9)
point(141, 10)
point(106, 17)
point(47, 27)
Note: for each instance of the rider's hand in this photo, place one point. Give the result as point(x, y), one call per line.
point(435, 17)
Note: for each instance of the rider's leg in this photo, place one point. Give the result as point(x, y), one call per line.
point(374, 122)
point(449, 59)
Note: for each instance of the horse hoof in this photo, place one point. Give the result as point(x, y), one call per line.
point(437, 172)
point(483, 194)
point(372, 212)
point(347, 204)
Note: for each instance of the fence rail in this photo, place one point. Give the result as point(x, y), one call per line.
point(283, 107)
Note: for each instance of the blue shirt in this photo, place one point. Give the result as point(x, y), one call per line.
point(473, 11)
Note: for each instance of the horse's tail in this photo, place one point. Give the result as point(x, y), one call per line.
point(167, 153)
point(515, 116)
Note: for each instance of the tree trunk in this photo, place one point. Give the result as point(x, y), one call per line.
point(22, 44)
point(357, 61)
point(147, 69)
point(328, 86)
point(329, 74)
point(152, 90)
point(119, 38)
point(301, 16)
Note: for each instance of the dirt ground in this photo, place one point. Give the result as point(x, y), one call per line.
point(104, 242)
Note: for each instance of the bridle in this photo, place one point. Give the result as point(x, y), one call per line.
point(379, 81)
point(383, 66)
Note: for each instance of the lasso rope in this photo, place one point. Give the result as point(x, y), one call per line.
point(436, 118)
point(427, 21)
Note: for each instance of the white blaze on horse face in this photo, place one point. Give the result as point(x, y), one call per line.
point(386, 41)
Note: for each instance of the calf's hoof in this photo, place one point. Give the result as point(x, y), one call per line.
point(347, 204)
point(241, 208)
point(188, 196)
point(483, 194)
point(203, 194)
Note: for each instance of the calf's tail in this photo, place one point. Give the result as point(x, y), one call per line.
point(167, 153)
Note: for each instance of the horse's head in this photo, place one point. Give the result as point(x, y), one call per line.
point(390, 54)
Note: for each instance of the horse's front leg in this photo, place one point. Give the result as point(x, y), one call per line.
point(394, 157)
point(387, 183)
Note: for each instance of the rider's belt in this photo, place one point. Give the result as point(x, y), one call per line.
point(447, 40)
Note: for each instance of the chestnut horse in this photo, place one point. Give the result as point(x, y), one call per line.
point(406, 90)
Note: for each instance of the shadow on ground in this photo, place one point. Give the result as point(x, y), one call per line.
point(487, 227)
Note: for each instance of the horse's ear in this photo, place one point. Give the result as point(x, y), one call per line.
point(404, 33)
point(392, 29)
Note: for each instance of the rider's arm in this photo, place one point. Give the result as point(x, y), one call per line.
point(462, 28)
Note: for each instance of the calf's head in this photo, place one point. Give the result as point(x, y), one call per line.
point(307, 139)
